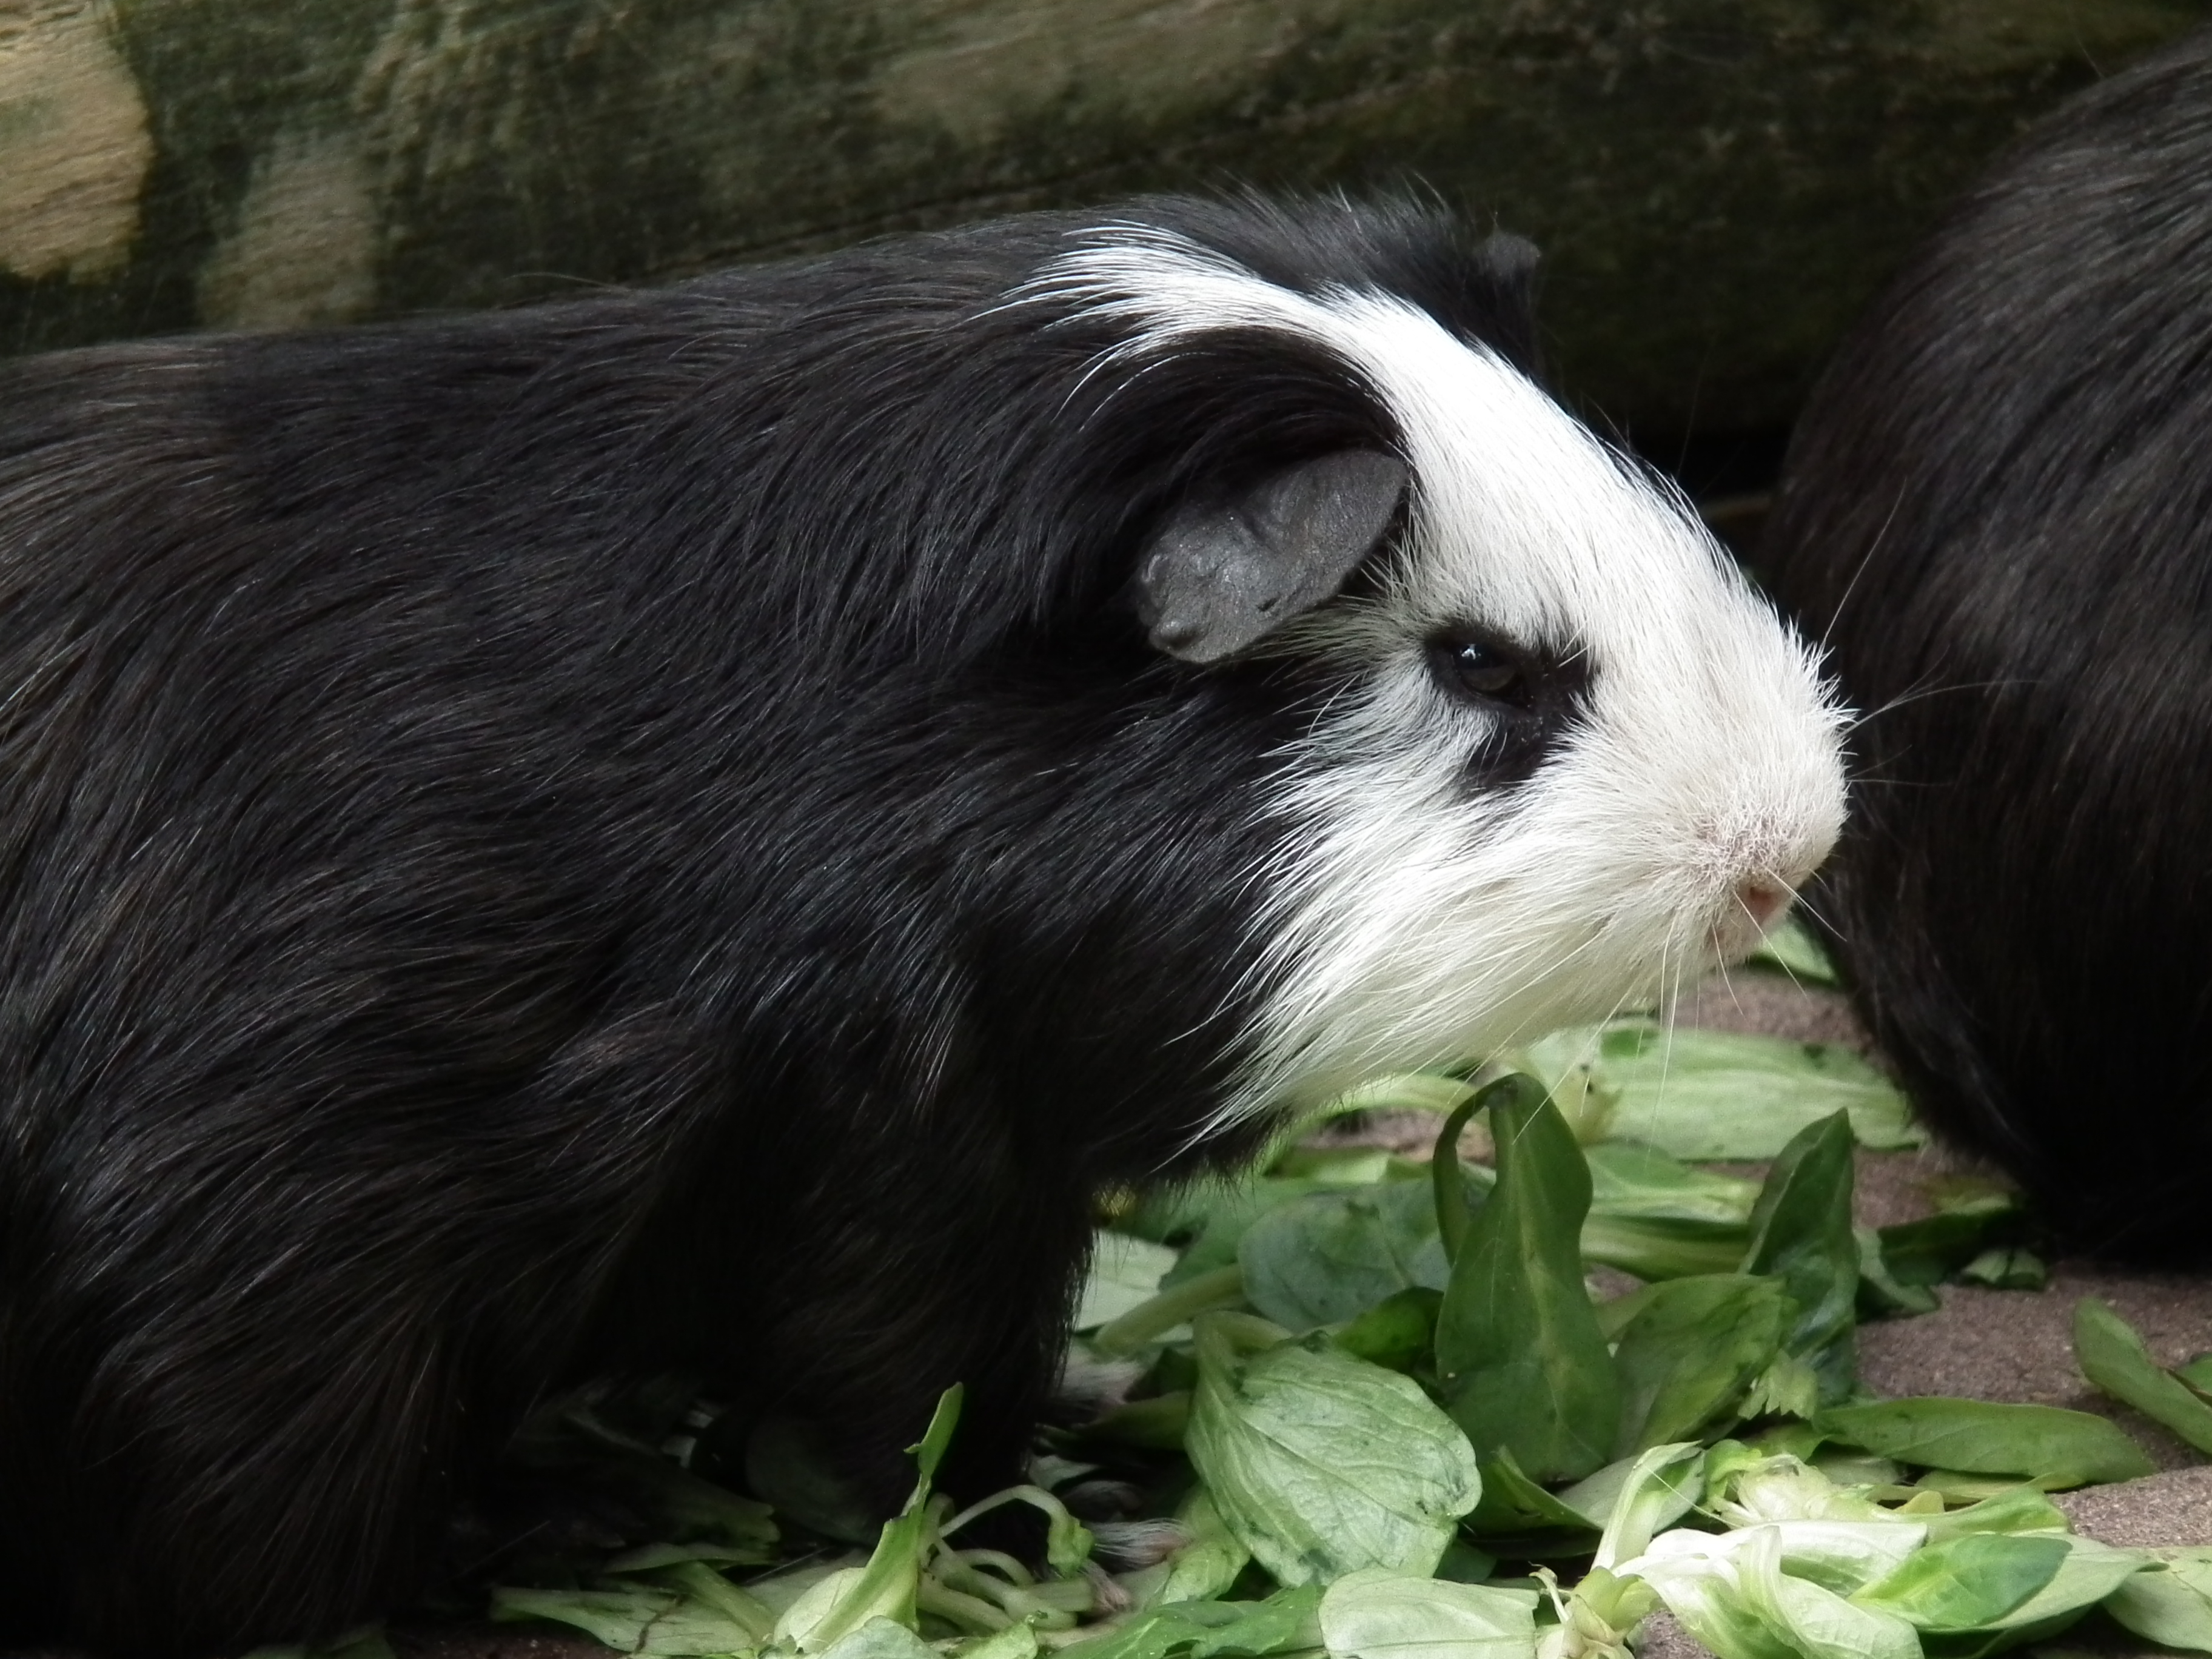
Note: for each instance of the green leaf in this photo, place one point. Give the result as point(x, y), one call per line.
point(1463, 1563)
point(1067, 1543)
point(2046, 1443)
point(2090, 1573)
point(781, 1591)
point(1205, 1566)
point(1327, 1259)
point(1686, 1359)
point(1790, 948)
point(368, 1642)
point(1599, 1617)
point(1840, 1555)
point(1638, 1497)
point(1321, 1463)
point(1788, 1388)
point(1732, 1592)
point(688, 1631)
point(1968, 1582)
point(1450, 1179)
point(1657, 1218)
point(1627, 1179)
point(1379, 1614)
point(2168, 1602)
point(1398, 1332)
point(647, 1557)
point(1880, 1291)
point(633, 1620)
point(2007, 1267)
point(2021, 1509)
point(614, 1618)
point(1157, 1423)
point(1954, 1487)
point(1125, 1273)
point(885, 1588)
point(1746, 1488)
point(1800, 1233)
point(1286, 1622)
point(1518, 1516)
point(1663, 1246)
point(1706, 1094)
point(2198, 1373)
point(1423, 1091)
point(1341, 1166)
point(703, 1587)
point(1931, 1248)
point(1155, 1320)
point(836, 1605)
point(1206, 1220)
point(2113, 1356)
point(1524, 1367)
point(1017, 1641)
point(1822, 1624)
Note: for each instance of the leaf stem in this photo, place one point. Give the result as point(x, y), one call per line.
point(1221, 1288)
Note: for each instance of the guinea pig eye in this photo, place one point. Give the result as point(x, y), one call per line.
point(1476, 671)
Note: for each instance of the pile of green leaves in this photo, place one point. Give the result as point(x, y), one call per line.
point(1379, 1407)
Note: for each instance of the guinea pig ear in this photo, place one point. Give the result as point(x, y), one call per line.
point(1220, 574)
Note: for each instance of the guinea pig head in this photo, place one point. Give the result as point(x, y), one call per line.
point(1569, 760)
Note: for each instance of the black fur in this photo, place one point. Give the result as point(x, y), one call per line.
point(636, 835)
point(1998, 512)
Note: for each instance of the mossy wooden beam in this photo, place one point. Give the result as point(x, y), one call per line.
point(1718, 184)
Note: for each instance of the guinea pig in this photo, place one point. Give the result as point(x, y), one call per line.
point(694, 830)
point(1997, 512)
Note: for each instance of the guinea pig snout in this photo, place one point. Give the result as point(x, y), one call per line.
point(1758, 889)
point(1763, 899)
point(1750, 906)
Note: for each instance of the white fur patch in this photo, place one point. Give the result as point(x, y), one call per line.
point(1419, 923)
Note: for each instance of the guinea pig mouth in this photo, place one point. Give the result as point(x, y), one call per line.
point(1752, 907)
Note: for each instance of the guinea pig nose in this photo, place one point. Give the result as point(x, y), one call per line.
point(1764, 900)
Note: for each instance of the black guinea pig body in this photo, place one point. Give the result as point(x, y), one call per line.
point(694, 830)
point(1997, 513)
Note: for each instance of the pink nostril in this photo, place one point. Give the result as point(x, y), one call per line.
point(1763, 900)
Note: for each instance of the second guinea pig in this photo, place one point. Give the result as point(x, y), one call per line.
point(1997, 512)
point(694, 830)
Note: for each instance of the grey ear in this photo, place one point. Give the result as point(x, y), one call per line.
point(1219, 575)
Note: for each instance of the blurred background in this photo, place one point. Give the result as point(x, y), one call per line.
point(1718, 185)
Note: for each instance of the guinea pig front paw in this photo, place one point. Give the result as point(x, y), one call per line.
point(1128, 1546)
point(1088, 1388)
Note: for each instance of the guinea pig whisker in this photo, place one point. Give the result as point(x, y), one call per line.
point(1851, 586)
point(1728, 984)
point(1670, 984)
point(1904, 699)
point(1828, 924)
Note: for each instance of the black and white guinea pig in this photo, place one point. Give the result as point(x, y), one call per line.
point(694, 830)
point(1997, 512)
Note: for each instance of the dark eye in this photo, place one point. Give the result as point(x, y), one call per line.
point(1477, 671)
